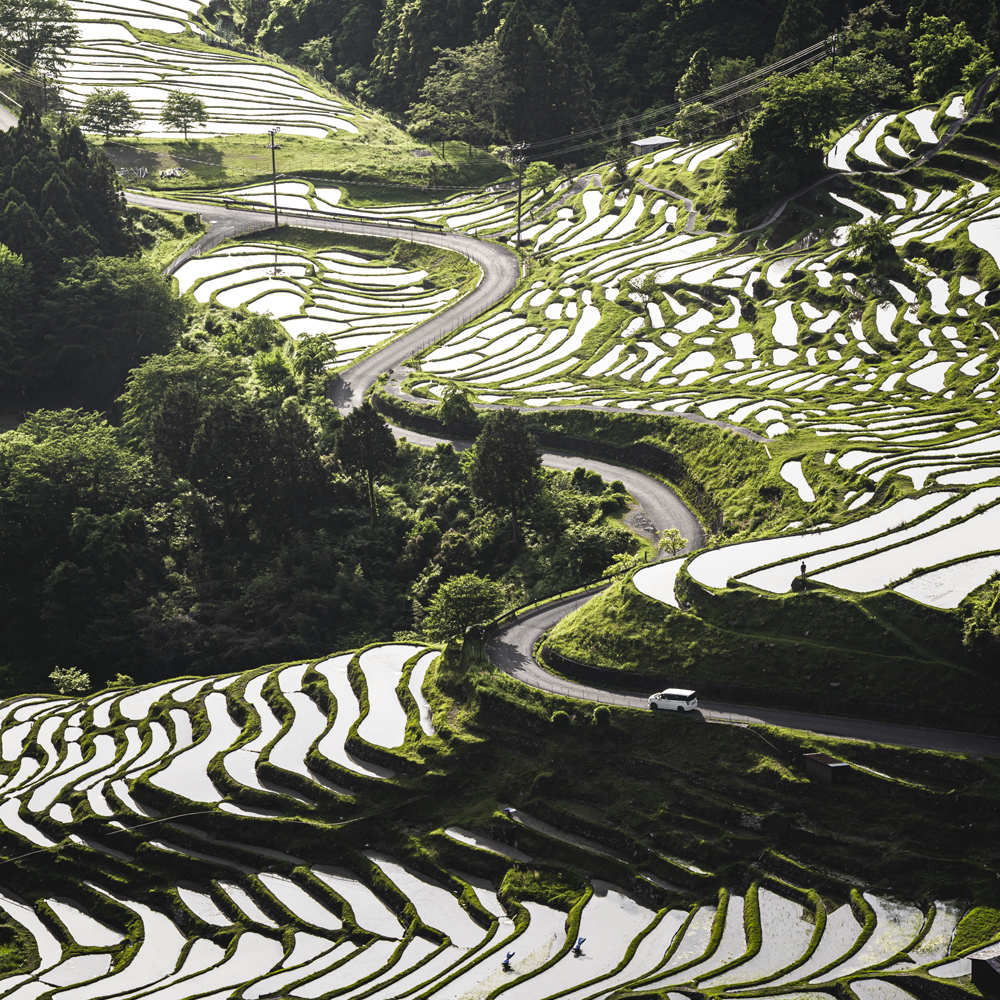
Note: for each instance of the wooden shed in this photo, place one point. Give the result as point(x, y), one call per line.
point(825, 769)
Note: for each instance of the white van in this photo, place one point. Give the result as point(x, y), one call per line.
point(674, 699)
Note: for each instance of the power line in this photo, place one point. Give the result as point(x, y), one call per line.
point(781, 66)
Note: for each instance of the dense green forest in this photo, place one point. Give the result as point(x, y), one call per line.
point(225, 514)
point(78, 309)
point(626, 59)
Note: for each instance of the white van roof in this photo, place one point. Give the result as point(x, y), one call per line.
point(679, 692)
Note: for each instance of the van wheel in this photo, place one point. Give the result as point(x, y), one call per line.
point(655, 707)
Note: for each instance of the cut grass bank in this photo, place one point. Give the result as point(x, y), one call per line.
point(382, 155)
point(815, 650)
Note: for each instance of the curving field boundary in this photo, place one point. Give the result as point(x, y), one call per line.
point(511, 648)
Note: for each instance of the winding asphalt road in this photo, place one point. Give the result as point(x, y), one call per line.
point(658, 502)
point(500, 268)
point(512, 647)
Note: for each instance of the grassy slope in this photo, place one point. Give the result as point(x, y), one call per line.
point(813, 643)
point(650, 786)
point(381, 154)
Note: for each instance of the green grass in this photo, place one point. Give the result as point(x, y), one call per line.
point(380, 156)
point(165, 235)
point(674, 787)
point(824, 646)
point(445, 268)
point(980, 924)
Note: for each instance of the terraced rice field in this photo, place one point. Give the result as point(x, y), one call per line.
point(154, 805)
point(243, 95)
point(899, 376)
point(784, 340)
point(355, 297)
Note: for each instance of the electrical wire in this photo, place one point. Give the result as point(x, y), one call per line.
point(653, 123)
point(818, 49)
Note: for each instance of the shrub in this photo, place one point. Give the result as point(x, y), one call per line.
point(70, 680)
point(561, 719)
point(602, 716)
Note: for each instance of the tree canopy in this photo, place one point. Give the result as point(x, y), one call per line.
point(945, 56)
point(460, 603)
point(109, 112)
point(67, 319)
point(782, 146)
point(697, 77)
point(365, 446)
point(505, 468)
point(801, 25)
point(182, 111)
point(465, 96)
point(38, 33)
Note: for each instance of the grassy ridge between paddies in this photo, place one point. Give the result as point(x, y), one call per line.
point(381, 155)
point(879, 649)
point(360, 290)
point(678, 817)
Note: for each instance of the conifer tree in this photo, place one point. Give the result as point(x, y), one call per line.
point(505, 470)
point(801, 25)
point(365, 445)
point(697, 77)
point(572, 83)
point(525, 55)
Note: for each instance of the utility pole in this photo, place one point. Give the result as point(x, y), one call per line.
point(272, 132)
point(519, 159)
point(834, 54)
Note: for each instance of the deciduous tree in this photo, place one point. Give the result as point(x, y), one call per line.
point(672, 540)
point(109, 112)
point(103, 317)
point(945, 56)
point(782, 146)
point(314, 354)
point(38, 32)
point(455, 407)
point(870, 241)
point(365, 446)
point(466, 96)
point(505, 470)
point(70, 680)
point(460, 603)
point(183, 111)
point(693, 120)
point(539, 174)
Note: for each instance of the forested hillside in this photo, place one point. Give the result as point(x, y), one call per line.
point(637, 51)
point(77, 310)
